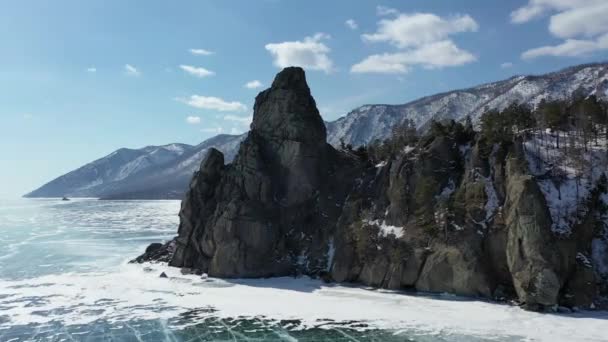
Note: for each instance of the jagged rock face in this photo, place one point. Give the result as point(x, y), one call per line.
point(407, 194)
point(488, 233)
point(271, 211)
point(287, 142)
point(197, 208)
point(287, 111)
point(532, 255)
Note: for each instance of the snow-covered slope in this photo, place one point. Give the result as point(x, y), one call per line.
point(151, 172)
point(566, 175)
point(171, 179)
point(118, 165)
point(370, 122)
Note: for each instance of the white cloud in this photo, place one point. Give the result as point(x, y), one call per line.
point(243, 120)
point(430, 56)
point(569, 48)
point(197, 71)
point(201, 52)
point(587, 21)
point(422, 38)
point(526, 13)
point(351, 24)
point(216, 130)
point(131, 70)
point(213, 103)
point(193, 120)
point(412, 30)
point(506, 65)
point(381, 64)
point(253, 84)
point(28, 116)
point(92, 69)
point(385, 11)
point(310, 53)
point(582, 25)
point(537, 8)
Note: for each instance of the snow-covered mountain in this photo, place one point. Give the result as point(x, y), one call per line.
point(170, 180)
point(150, 172)
point(370, 122)
point(165, 171)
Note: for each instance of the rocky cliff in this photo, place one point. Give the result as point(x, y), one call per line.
point(272, 211)
point(453, 213)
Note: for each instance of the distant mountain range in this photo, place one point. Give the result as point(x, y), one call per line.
point(153, 172)
point(370, 122)
point(163, 172)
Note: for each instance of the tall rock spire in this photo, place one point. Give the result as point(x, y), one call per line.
point(287, 110)
point(267, 211)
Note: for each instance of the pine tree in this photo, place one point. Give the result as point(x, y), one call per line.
point(554, 116)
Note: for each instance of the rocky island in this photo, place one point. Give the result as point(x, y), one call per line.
point(456, 210)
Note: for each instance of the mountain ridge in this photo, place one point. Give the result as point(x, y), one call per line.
point(359, 127)
point(85, 182)
point(354, 128)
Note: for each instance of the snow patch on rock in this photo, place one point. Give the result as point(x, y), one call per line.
point(386, 229)
point(566, 175)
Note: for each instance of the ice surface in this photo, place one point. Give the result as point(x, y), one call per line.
point(136, 292)
point(76, 281)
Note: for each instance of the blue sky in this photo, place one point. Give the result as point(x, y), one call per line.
point(80, 79)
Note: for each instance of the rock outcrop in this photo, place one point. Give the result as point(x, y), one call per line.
point(451, 214)
point(532, 255)
point(273, 210)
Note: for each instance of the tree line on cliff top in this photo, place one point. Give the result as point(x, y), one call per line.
point(584, 119)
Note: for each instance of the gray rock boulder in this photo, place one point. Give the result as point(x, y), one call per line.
point(454, 270)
